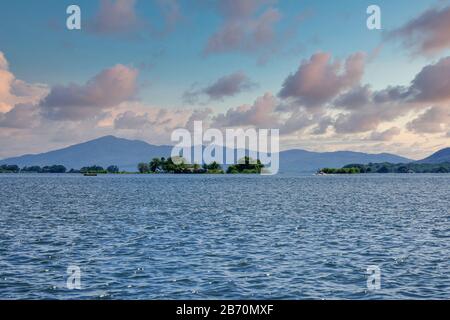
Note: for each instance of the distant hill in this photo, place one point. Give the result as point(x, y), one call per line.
point(127, 154)
point(103, 152)
point(439, 157)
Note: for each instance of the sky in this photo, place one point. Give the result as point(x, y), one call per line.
point(140, 69)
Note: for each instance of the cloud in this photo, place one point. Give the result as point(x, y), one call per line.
point(116, 17)
point(6, 80)
point(326, 94)
point(364, 109)
point(131, 120)
point(432, 83)
point(153, 121)
point(244, 27)
point(386, 135)
point(261, 114)
point(20, 117)
point(3, 62)
point(16, 98)
point(203, 115)
point(171, 12)
point(357, 122)
point(120, 17)
point(323, 124)
point(226, 86)
point(369, 116)
point(239, 8)
point(14, 91)
point(77, 102)
point(318, 80)
point(355, 98)
point(433, 120)
point(391, 94)
point(426, 34)
point(300, 120)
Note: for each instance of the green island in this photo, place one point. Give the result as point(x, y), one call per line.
point(178, 165)
point(387, 167)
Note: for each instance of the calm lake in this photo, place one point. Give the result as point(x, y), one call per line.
point(224, 237)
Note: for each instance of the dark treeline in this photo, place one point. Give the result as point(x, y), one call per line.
point(390, 168)
point(33, 169)
point(351, 170)
point(402, 167)
point(56, 169)
point(178, 165)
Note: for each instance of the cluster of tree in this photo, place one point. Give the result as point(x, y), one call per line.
point(177, 165)
point(404, 168)
point(246, 165)
point(213, 168)
point(171, 165)
point(387, 167)
point(33, 169)
point(100, 170)
point(93, 169)
point(9, 169)
point(349, 170)
point(54, 169)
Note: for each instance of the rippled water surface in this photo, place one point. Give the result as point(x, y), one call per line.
point(224, 237)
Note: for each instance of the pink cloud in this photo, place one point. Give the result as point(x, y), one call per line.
point(226, 86)
point(432, 83)
point(426, 34)
point(116, 16)
point(14, 91)
point(3, 62)
point(319, 80)
point(244, 28)
point(120, 17)
point(76, 102)
point(131, 120)
point(386, 135)
point(433, 120)
point(261, 114)
point(22, 116)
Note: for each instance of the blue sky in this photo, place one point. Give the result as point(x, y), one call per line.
point(60, 56)
point(40, 50)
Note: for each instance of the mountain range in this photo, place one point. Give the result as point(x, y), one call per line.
point(126, 154)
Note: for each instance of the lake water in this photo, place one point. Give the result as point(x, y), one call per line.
point(224, 237)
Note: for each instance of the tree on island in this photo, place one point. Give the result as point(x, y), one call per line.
point(9, 169)
point(178, 165)
point(113, 169)
point(387, 167)
point(32, 169)
point(246, 165)
point(143, 167)
point(54, 169)
point(346, 170)
point(155, 164)
point(213, 168)
point(93, 169)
